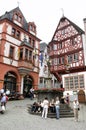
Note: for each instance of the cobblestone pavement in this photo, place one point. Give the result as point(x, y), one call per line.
point(17, 117)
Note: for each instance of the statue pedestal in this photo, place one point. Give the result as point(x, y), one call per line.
point(49, 93)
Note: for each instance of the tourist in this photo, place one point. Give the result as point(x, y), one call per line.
point(75, 108)
point(34, 107)
point(67, 99)
point(57, 107)
point(31, 93)
point(45, 107)
point(40, 106)
point(52, 106)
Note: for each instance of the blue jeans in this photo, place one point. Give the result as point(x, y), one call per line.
point(57, 111)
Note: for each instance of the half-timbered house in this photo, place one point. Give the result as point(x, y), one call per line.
point(67, 55)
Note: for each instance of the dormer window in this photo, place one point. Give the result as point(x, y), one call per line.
point(18, 17)
point(32, 27)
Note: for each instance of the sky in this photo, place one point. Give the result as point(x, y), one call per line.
point(47, 13)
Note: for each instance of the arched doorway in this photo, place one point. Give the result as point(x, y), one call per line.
point(28, 83)
point(10, 82)
point(81, 96)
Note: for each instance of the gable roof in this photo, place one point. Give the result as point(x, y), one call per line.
point(9, 16)
point(73, 24)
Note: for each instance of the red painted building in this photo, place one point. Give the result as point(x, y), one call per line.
point(67, 55)
point(19, 53)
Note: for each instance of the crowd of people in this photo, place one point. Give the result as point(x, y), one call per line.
point(53, 106)
point(46, 106)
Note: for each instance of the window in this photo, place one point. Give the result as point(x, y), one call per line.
point(55, 61)
point(54, 47)
point(21, 53)
point(60, 45)
point(74, 41)
point(58, 61)
point(74, 82)
point(62, 60)
point(69, 58)
point(33, 43)
point(11, 53)
point(41, 80)
point(66, 83)
point(75, 57)
point(30, 40)
point(63, 32)
point(18, 17)
point(15, 33)
point(31, 27)
point(30, 55)
point(81, 80)
point(26, 54)
point(71, 82)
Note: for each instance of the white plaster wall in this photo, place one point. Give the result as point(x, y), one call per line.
point(6, 50)
point(6, 53)
point(17, 23)
point(84, 47)
point(32, 32)
point(13, 40)
point(9, 29)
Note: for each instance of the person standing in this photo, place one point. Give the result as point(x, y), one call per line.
point(57, 107)
point(52, 106)
point(31, 93)
point(45, 107)
point(67, 99)
point(75, 108)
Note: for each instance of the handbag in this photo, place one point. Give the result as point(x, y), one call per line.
point(3, 108)
point(78, 108)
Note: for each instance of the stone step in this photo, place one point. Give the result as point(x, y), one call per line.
point(65, 112)
point(53, 115)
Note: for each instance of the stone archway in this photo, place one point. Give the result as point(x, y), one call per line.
point(81, 96)
point(10, 82)
point(28, 83)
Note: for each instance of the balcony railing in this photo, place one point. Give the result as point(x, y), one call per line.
point(27, 64)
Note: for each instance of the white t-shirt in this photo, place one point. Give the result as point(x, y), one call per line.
point(76, 104)
point(45, 103)
point(57, 103)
